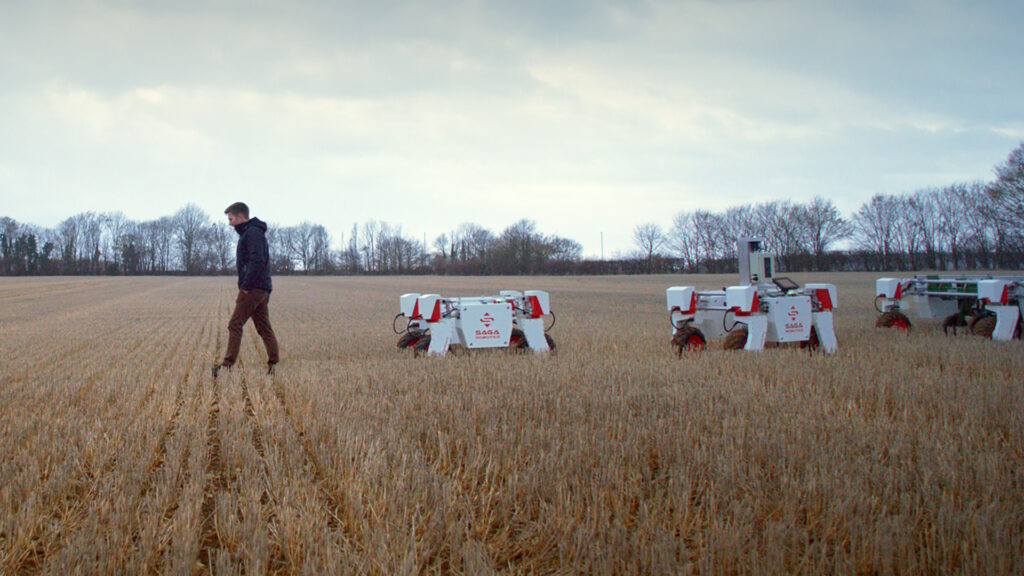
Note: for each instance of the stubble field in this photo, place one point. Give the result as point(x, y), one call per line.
point(120, 454)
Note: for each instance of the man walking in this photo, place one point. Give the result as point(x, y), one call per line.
point(252, 257)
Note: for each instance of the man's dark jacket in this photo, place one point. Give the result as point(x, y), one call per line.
point(252, 256)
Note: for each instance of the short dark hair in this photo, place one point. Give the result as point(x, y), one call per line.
point(238, 208)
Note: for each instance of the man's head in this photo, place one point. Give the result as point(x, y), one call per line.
point(238, 213)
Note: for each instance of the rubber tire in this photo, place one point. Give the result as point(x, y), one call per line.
point(550, 341)
point(953, 321)
point(410, 338)
point(423, 344)
point(689, 338)
point(984, 326)
point(813, 343)
point(736, 339)
point(518, 340)
point(894, 320)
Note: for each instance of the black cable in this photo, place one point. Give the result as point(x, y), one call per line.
point(554, 319)
point(877, 309)
point(393, 322)
point(673, 322)
point(731, 328)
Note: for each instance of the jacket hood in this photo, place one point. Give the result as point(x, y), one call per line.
point(241, 228)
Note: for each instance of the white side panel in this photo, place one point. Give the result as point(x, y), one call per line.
point(681, 297)
point(533, 329)
point(441, 335)
point(887, 287)
point(1006, 321)
point(407, 304)
point(757, 331)
point(994, 291)
point(741, 297)
point(826, 332)
point(538, 301)
point(511, 294)
point(430, 307)
point(829, 290)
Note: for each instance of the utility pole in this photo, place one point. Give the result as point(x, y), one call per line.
point(602, 246)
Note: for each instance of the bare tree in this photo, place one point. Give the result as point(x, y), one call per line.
point(158, 238)
point(68, 244)
point(279, 241)
point(743, 222)
point(765, 217)
point(565, 249)
point(114, 225)
point(710, 235)
point(980, 226)
point(300, 245)
point(131, 249)
point(649, 239)
point(923, 223)
point(1007, 193)
point(388, 249)
point(779, 223)
point(875, 227)
point(320, 260)
point(189, 224)
point(221, 246)
point(823, 226)
point(350, 257)
point(474, 241)
point(91, 230)
point(950, 207)
point(441, 245)
point(368, 246)
point(682, 239)
point(905, 242)
point(520, 249)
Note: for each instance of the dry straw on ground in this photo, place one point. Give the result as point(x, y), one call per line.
point(119, 454)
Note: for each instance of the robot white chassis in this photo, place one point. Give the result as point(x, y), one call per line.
point(511, 318)
point(770, 309)
point(951, 298)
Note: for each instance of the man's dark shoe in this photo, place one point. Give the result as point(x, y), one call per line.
point(217, 368)
point(270, 369)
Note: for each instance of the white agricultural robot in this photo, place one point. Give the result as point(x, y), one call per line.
point(511, 319)
point(762, 308)
point(990, 306)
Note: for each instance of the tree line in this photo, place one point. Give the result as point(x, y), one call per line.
point(189, 242)
point(973, 225)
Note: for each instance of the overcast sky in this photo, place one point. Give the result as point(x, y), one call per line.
point(584, 116)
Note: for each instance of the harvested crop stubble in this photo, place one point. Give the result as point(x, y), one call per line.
point(118, 453)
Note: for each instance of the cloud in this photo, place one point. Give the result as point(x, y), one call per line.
point(583, 116)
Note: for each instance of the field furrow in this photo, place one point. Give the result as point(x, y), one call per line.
point(277, 563)
point(121, 454)
point(330, 503)
point(215, 484)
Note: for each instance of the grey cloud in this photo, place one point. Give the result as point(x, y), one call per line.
point(659, 105)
